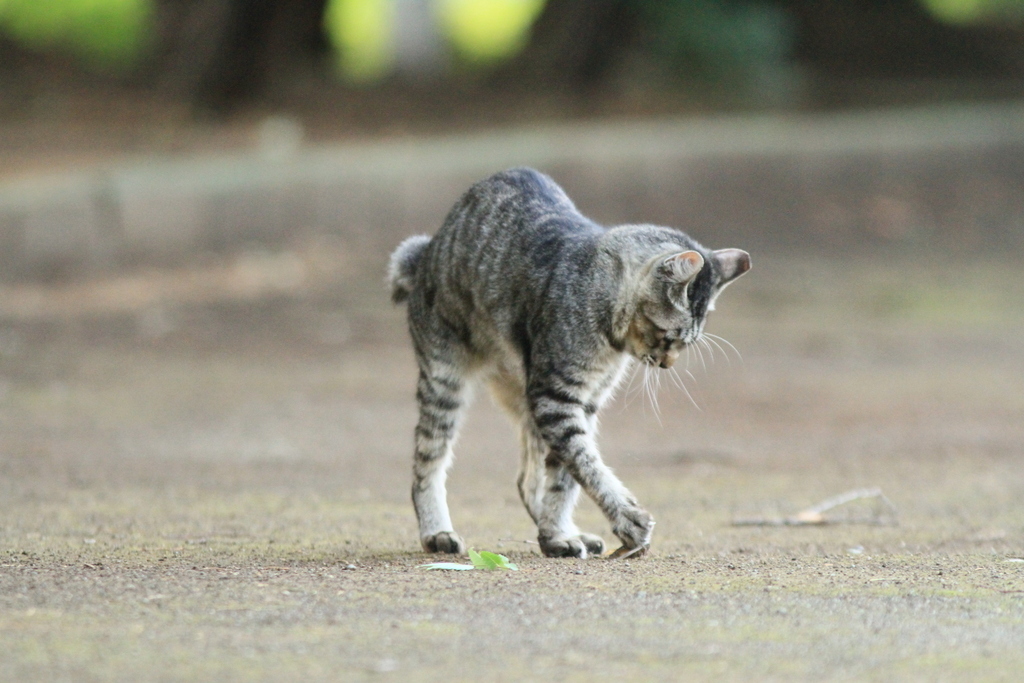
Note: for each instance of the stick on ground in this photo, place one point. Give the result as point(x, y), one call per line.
point(815, 514)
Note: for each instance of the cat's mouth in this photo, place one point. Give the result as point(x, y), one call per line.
point(657, 350)
point(662, 360)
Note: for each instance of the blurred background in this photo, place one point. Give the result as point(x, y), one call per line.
point(86, 77)
point(99, 89)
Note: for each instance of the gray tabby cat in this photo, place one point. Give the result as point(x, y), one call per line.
point(521, 290)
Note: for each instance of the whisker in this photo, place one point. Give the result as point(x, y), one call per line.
point(727, 343)
point(682, 385)
point(704, 342)
point(693, 401)
point(655, 389)
point(631, 393)
point(676, 379)
point(700, 355)
point(651, 391)
point(707, 339)
point(642, 388)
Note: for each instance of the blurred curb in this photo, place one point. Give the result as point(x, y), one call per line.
point(940, 176)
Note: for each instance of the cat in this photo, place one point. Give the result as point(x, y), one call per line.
point(520, 290)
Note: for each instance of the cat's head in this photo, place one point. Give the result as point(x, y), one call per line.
point(677, 292)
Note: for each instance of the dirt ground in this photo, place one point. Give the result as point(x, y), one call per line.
point(204, 476)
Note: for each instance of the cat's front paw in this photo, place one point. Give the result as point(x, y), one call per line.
point(595, 544)
point(634, 526)
point(583, 545)
point(444, 542)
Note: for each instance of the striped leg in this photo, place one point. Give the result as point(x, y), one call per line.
point(509, 393)
point(531, 472)
point(441, 396)
point(548, 492)
point(573, 461)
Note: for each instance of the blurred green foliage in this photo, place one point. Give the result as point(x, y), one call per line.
point(477, 31)
point(104, 33)
point(975, 11)
point(487, 31)
point(360, 32)
point(715, 40)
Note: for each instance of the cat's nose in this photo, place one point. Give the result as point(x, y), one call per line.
point(669, 358)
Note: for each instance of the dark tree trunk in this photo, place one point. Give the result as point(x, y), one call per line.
point(574, 44)
point(900, 39)
point(219, 53)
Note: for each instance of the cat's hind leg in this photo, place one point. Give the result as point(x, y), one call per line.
point(549, 493)
point(509, 393)
point(558, 535)
point(441, 394)
point(566, 425)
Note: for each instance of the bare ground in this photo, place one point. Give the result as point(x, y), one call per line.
point(204, 476)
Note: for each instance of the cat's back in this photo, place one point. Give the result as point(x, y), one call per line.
point(506, 221)
point(511, 201)
point(525, 189)
point(505, 246)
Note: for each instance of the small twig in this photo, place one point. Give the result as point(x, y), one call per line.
point(843, 498)
point(624, 552)
point(516, 540)
point(815, 515)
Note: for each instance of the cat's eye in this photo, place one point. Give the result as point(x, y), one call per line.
point(658, 331)
point(667, 335)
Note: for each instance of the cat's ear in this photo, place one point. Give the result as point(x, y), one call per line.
point(732, 263)
point(682, 267)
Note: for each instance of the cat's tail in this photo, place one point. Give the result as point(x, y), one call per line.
point(402, 267)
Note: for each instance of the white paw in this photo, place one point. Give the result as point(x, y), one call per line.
point(444, 542)
point(582, 545)
point(634, 527)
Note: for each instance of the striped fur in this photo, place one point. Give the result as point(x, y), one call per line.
point(521, 291)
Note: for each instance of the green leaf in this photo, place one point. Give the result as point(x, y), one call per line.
point(447, 565)
point(481, 560)
point(489, 561)
point(478, 561)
